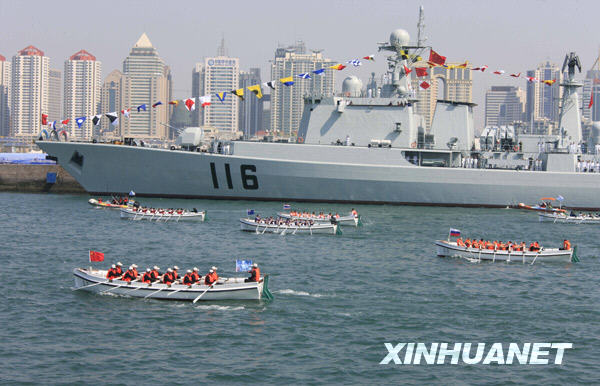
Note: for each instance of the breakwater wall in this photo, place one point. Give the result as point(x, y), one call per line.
point(37, 178)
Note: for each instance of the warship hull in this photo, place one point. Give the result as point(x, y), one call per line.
point(317, 173)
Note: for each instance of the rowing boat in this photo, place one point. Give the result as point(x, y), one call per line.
point(546, 208)
point(250, 225)
point(451, 249)
point(161, 215)
point(350, 219)
point(233, 288)
point(564, 218)
point(105, 204)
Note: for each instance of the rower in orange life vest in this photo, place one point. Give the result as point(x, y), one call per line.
point(112, 272)
point(129, 274)
point(212, 276)
point(188, 278)
point(168, 277)
point(147, 278)
point(175, 275)
point(254, 274)
point(566, 245)
point(354, 212)
point(135, 271)
point(119, 268)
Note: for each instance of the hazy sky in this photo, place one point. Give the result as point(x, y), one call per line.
point(510, 35)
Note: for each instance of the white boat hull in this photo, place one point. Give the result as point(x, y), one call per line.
point(249, 225)
point(225, 289)
point(350, 220)
point(450, 249)
point(547, 217)
point(128, 214)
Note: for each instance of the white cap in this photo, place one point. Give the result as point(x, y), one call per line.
point(113, 266)
point(120, 264)
point(175, 267)
point(255, 265)
point(189, 271)
point(148, 269)
point(211, 271)
point(213, 267)
point(156, 268)
point(169, 270)
point(195, 269)
point(130, 267)
point(134, 265)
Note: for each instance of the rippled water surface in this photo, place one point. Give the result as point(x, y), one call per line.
point(337, 298)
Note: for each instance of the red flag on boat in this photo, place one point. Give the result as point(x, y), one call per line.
point(591, 102)
point(96, 256)
point(421, 71)
point(44, 119)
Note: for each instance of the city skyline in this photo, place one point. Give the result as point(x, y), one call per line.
point(467, 31)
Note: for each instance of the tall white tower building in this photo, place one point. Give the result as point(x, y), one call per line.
point(287, 103)
point(83, 74)
point(29, 95)
point(5, 81)
point(146, 80)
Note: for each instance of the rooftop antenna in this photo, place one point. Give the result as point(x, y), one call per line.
point(421, 38)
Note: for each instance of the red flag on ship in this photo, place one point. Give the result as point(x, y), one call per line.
point(591, 101)
point(421, 71)
point(96, 256)
point(44, 119)
point(407, 70)
point(436, 58)
point(424, 85)
point(65, 122)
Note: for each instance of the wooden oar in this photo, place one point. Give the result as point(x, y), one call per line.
point(190, 286)
point(155, 292)
point(202, 294)
point(119, 286)
point(91, 285)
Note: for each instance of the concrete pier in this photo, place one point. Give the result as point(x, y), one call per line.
point(36, 179)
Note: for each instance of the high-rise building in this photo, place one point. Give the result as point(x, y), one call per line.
point(5, 81)
point(287, 103)
point(453, 84)
point(146, 80)
point(591, 86)
point(542, 99)
point(214, 75)
point(504, 105)
point(251, 109)
point(110, 100)
point(197, 91)
point(29, 92)
point(55, 95)
point(83, 74)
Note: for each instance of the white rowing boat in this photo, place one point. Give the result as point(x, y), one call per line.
point(451, 249)
point(233, 288)
point(564, 218)
point(105, 204)
point(158, 215)
point(249, 225)
point(350, 219)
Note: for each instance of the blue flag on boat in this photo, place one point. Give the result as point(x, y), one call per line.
point(80, 121)
point(132, 193)
point(287, 207)
point(454, 232)
point(320, 71)
point(250, 211)
point(141, 107)
point(560, 198)
point(243, 265)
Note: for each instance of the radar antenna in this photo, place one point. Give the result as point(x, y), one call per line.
point(421, 38)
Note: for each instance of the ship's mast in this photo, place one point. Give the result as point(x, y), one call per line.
point(569, 119)
point(421, 38)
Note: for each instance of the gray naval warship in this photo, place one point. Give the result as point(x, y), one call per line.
point(356, 149)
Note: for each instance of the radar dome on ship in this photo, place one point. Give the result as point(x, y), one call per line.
point(399, 38)
point(352, 86)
